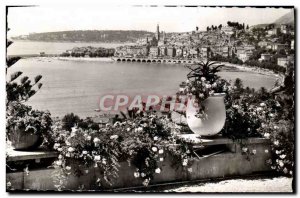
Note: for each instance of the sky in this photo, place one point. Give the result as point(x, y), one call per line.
point(25, 20)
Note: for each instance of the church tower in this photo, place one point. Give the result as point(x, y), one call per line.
point(157, 33)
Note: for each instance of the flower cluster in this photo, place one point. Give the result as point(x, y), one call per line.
point(141, 141)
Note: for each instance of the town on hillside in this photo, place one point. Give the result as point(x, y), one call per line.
point(270, 47)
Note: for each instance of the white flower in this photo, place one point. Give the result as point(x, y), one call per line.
point(267, 135)
point(71, 149)
point(68, 167)
point(273, 167)
point(214, 84)
point(60, 157)
point(244, 149)
point(185, 162)
point(117, 124)
point(276, 127)
point(155, 138)
point(271, 115)
point(59, 149)
point(207, 86)
point(259, 109)
point(285, 170)
point(266, 151)
point(143, 174)
point(190, 170)
point(276, 142)
point(282, 156)
point(140, 129)
point(59, 162)
point(281, 164)
point(96, 140)
point(88, 138)
point(211, 92)
point(203, 79)
point(254, 151)
point(114, 137)
point(146, 182)
point(157, 170)
point(291, 172)
point(235, 106)
point(104, 161)
point(97, 157)
point(161, 159)
point(68, 143)
point(154, 149)
point(128, 129)
point(262, 104)
point(161, 151)
point(136, 174)
point(56, 145)
point(84, 152)
point(277, 152)
point(201, 95)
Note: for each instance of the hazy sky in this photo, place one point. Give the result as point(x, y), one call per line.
point(171, 19)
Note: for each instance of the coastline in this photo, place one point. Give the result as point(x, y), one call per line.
point(266, 72)
point(94, 59)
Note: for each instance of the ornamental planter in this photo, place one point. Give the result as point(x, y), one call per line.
point(24, 140)
point(214, 119)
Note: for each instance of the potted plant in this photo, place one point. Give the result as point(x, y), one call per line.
point(27, 128)
point(205, 110)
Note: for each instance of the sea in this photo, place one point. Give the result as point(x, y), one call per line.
point(71, 86)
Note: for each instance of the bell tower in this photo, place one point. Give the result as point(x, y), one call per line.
point(157, 33)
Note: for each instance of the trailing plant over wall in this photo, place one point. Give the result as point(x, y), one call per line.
point(142, 141)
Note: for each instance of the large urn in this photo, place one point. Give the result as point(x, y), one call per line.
point(213, 119)
point(22, 140)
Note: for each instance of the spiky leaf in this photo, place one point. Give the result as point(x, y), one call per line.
point(31, 93)
point(37, 78)
point(24, 79)
point(12, 60)
point(40, 85)
point(8, 43)
point(15, 75)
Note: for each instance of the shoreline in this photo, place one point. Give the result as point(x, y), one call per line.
point(256, 70)
point(92, 59)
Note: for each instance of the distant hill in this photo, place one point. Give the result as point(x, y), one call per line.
point(286, 19)
point(87, 36)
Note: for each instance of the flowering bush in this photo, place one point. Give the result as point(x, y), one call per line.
point(141, 141)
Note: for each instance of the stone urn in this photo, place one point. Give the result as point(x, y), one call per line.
point(24, 140)
point(214, 119)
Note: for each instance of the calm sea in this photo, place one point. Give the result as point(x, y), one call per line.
point(75, 86)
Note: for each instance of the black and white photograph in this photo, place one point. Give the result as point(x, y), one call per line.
point(150, 98)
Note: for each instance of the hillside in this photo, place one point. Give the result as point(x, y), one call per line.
point(88, 36)
point(286, 19)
